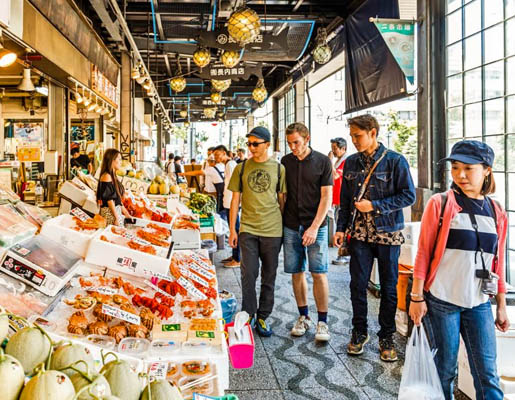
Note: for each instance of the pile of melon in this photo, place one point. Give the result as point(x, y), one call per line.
point(32, 367)
point(162, 185)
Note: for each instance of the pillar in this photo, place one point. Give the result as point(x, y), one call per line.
point(126, 132)
point(300, 101)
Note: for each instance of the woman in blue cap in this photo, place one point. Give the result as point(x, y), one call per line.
point(459, 267)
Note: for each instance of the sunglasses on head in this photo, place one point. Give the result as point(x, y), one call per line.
point(254, 144)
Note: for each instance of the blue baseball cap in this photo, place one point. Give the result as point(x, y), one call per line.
point(471, 152)
point(260, 132)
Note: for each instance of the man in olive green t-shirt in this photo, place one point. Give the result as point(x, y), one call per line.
point(260, 185)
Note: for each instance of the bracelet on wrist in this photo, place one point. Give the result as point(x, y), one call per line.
point(420, 296)
point(418, 301)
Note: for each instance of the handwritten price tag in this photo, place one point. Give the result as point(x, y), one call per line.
point(106, 290)
point(158, 370)
point(77, 212)
point(188, 286)
point(159, 275)
point(193, 277)
point(201, 262)
point(202, 272)
point(120, 314)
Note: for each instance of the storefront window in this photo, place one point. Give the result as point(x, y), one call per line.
point(480, 86)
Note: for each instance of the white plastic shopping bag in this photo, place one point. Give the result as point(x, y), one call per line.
point(420, 379)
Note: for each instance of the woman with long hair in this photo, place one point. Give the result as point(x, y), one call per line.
point(459, 267)
point(110, 191)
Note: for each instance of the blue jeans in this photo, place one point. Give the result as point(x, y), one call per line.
point(224, 213)
point(444, 324)
point(362, 256)
point(296, 255)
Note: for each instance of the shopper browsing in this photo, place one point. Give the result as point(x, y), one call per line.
point(259, 184)
point(459, 266)
point(309, 180)
point(222, 157)
point(110, 190)
point(338, 150)
point(376, 186)
point(170, 168)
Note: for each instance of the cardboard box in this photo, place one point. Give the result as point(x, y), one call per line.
point(124, 259)
point(402, 286)
point(77, 191)
point(411, 232)
point(60, 230)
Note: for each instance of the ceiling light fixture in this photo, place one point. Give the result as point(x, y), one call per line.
point(202, 57)
point(259, 93)
point(78, 97)
point(26, 82)
point(7, 57)
point(244, 25)
point(135, 74)
point(210, 112)
point(92, 106)
point(178, 82)
point(220, 86)
point(184, 112)
point(146, 84)
point(230, 58)
point(322, 53)
point(187, 124)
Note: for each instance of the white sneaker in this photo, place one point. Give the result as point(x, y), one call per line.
point(322, 334)
point(301, 326)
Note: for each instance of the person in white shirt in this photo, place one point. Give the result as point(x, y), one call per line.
point(222, 156)
point(170, 168)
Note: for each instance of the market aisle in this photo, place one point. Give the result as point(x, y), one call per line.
point(299, 369)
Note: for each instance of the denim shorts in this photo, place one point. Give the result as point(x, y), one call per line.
point(296, 256)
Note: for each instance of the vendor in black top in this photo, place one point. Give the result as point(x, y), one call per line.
point(110, 191)
point(81, 161)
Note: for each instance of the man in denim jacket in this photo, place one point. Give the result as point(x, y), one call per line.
point(375, 229)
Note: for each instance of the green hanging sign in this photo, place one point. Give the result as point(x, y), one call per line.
point(399, 35)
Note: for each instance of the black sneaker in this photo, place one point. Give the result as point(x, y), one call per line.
point(387, 349)
point(357, 341)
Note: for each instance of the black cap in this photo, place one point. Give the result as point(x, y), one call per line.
point(471, 152)
point(260, 132)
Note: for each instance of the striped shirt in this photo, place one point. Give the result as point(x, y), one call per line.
point(455, 280)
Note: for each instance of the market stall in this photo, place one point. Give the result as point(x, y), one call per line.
point(145, 292)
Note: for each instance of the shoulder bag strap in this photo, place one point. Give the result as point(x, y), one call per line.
point(278, 188)
point(241, 175)
point(443, 197)
point(473, 221)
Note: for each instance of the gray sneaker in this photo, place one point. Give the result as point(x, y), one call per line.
point(301, 326)
point(322, 334)
point(341, 260)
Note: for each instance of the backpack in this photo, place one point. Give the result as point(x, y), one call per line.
point(278, 187)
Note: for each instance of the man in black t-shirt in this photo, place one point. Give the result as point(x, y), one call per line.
point(309, 181)
point(81, 161)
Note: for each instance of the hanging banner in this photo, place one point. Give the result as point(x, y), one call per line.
point(399, 36)
point(222, 40)
point(372, 76)
point(241, 71)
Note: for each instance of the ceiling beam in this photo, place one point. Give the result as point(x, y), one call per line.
point(113, 28)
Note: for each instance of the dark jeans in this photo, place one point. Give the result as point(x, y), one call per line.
point(362, 256)
point(444, 324)
point(254, 249)
point(225, 214)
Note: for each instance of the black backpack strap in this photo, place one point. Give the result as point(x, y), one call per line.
point(443, 196)
point(219, 173)
point(278, 188)
point(241, 175)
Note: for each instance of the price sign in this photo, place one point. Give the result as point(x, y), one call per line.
point(158, 370)
point(77, 212)
point(121, 314)
point(202, 272)
point(160, 276)
point(193, 277)
point(106, 290)
point(188, 286)
point(201, 262)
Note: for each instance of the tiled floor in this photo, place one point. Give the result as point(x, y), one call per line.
point(287, 368)
point(295, 369)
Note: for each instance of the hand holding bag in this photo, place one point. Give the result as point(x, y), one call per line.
point(420, 378)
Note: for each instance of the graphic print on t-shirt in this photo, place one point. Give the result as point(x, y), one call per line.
point(259, 180)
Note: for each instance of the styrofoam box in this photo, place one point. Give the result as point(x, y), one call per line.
point(186, 239)
point(505, 351)
point(124, 259)
point(408, 254)
point(91, 205)
point(60, 230)
point(401, 322)
point(142, 222)
point(411, 232)
point(74, 193)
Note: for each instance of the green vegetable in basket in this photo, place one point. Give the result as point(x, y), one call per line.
point(202, 204)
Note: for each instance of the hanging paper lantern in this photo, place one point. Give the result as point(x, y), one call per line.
point(244, 25)
point(202, 57)
point(259, 93)
point(220, 86)
point(322, 53)
point(230, 58)
point(184, 112)
point(178, 83)
point(216, 97)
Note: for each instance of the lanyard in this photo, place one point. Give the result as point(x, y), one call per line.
point(473, 221)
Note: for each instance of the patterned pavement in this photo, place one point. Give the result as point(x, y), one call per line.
point(291, 369)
